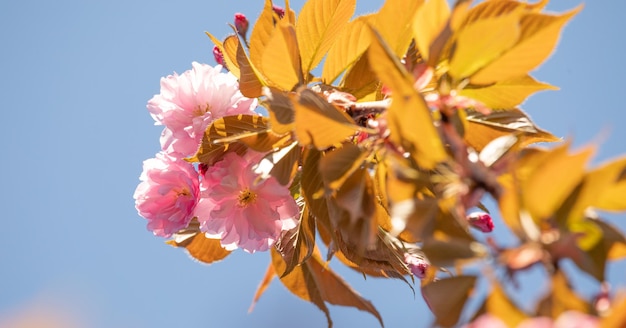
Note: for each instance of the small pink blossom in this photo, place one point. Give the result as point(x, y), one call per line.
point(279, 11)
point(219, 56)
point(417, 264)
point(481, 221)
point(241, 211)
point(241, 24)
point(486, 321)
point(167, 194)
point(189, 102)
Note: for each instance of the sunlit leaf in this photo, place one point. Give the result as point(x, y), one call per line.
point(319, 123)
point(409, 118)
point(446, 298)
point(199, 247)
point(613, 239)
point(270, 273)
point(319, 24)
point(617, 316)
point(611, 186)
point(500, 305)
point(553, 180)
point(356, 196)
point(317, 283)
point(296, 245)
point(238, 128)
point(481, 42)
point(261, 33)
point(489, 9)
point(312, 183)
point(394, 24)
point(506, 94)
point(483, 129)
point(446, 253)
point(281, 111)
point(281, 58)
point(539, 35)
point(348, 47)
point(561, 298)
point(429, 21)
point(360, 81)
point(590, 234)
point(337, 165)
point(229, 49)
point(282, 164)
point(250, 81)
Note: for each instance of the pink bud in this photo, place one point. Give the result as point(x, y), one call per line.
point(481, 221)
point(219, 56)
point(279, 11)
point(417, 264)
point(241, 23)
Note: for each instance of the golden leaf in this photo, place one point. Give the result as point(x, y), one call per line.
point(552, 181)
point(250, 81)
point(316, 283)
point(270, 273)
point(229, 50)
point(489, 9)
point(261, 33)
point(499, 305)
point(409, 119)
point(340, 163)
point(506, 94)
point(394, 21)
point(319, 123)
point(281, 58)
point(481, 42)
point(319, 24)
point(199, 247)
point(539, 35)
point(348, 47)
point(429, 21)
point(446, 298)
point(561, 298)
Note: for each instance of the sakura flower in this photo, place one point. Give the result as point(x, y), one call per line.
point(241, 24)
point(189, 102)
point(481, 221)
point(167, 194)
point(417, 264)
point(241, 211)
point(219, 56)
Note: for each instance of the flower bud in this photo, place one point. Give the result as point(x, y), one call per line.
point(417, 264)
point(219, 56)
point(279, 11)
point(241, 23)
point(481, 221)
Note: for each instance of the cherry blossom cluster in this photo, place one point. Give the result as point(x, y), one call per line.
point(227, 198)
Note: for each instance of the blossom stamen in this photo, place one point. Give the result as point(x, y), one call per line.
point(246, 197)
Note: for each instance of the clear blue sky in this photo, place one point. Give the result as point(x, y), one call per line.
point(78, 75)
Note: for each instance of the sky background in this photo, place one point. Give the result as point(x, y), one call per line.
point(78, 75)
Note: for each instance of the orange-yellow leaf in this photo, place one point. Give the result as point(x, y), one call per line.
point(499, 305)
point(229, 49)
point(428, 22)
point(340, 163)
point(319, 24)
point(481, 42)
point(316, 283)
point(393, 22)
point(267, 279)
point(409, 118)
point(250, 81)
point(539, 35)
point(552, 181)
point(319, 123)
point(281, 58)
point(199, 247)
point(506, 94)
point(348, 47)
point(488, 9)
point(561, 298)
point(261, 33)
point(610, 186)
point(447, 297)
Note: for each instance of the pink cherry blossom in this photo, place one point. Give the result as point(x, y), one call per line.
point(241, 210)
point(417, 264)
point(167, 194)
point(481, 221)
point(241, 24)
point(189, 102)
